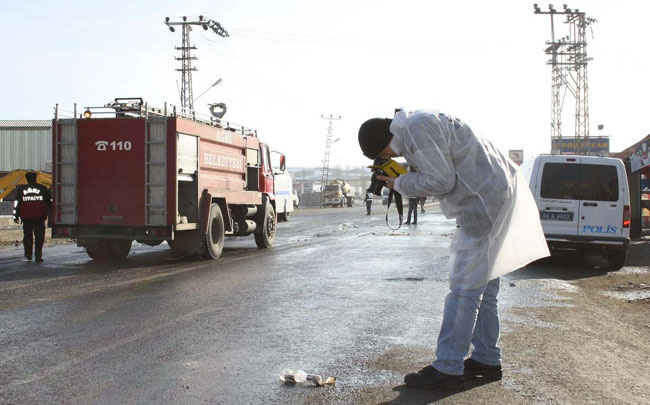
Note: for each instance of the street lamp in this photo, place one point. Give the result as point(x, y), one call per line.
point(206, 90)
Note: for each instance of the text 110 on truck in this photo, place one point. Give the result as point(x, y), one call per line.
point(127, 171)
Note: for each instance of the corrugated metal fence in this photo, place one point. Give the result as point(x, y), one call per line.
point(25, 145)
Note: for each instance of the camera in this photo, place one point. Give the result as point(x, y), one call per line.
point(383, 167)
point(377, 185)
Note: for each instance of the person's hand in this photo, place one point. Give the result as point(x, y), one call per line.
point(390, 181)
point(16, 220)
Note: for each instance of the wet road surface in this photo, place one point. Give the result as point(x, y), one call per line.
point(336, 293)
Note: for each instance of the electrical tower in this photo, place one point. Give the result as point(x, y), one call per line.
point(569, 74)
point(326, 159)
point(187, 99)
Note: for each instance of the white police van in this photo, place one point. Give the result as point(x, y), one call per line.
point(584, 204)
point(285, 199)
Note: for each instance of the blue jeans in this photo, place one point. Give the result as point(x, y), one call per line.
point(461, 325)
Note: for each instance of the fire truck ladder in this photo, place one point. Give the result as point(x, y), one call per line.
point(65, 162)
point(155, 171)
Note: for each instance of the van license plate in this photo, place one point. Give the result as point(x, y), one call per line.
point(555, 216)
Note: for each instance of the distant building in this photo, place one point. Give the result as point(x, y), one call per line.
point(25, 144)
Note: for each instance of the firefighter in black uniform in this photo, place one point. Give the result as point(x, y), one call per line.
point(32, 206)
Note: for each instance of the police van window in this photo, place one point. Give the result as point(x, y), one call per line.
point(559, 181)
point(579, 182)
point(598, 183)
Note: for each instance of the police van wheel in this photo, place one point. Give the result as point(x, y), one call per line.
point(215, 236)
point(616, 258)
point(265, 238)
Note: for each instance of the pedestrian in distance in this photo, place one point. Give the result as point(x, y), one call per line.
point(413, 209)
point(413, 206)
point(31, 207)
point(498, 231)
point(422, 201)
point(368, 200)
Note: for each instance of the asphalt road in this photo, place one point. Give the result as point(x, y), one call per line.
point(337, 292)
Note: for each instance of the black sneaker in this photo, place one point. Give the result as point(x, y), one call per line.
point(431, 378)
point(39, 260)
point(475, 369)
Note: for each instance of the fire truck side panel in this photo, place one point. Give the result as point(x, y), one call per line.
point(222, 162)
point(111, 188)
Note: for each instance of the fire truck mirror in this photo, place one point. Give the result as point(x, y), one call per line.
point(278, 162)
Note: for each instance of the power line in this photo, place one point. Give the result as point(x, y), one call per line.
point(338, 42)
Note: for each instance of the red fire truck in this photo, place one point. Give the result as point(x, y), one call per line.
point(127, 171)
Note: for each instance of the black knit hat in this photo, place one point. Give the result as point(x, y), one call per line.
point(30, 177)
point(374, 136)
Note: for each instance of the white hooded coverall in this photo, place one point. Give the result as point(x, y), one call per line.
point(499, 227)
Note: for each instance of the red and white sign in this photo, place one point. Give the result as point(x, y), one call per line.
point(516, 156)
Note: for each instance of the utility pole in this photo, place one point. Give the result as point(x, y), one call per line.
point(569, 73)
point(326, 159)
point(187, 99)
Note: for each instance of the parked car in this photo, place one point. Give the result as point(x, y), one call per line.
point(584, 204)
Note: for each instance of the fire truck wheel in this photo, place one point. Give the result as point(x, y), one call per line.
point(265, 238)
point(215, 236)
point(108, 249)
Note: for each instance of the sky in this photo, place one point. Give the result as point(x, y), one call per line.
point(289, 62)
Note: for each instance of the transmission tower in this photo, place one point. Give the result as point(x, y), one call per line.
point(569, 74)
point(187, 99)
point(326, 159)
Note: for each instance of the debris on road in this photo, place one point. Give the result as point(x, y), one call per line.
point(298, 376)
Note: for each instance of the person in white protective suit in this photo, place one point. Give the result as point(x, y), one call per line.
point(498, 232)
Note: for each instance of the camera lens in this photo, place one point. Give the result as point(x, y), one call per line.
point(376, 185)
